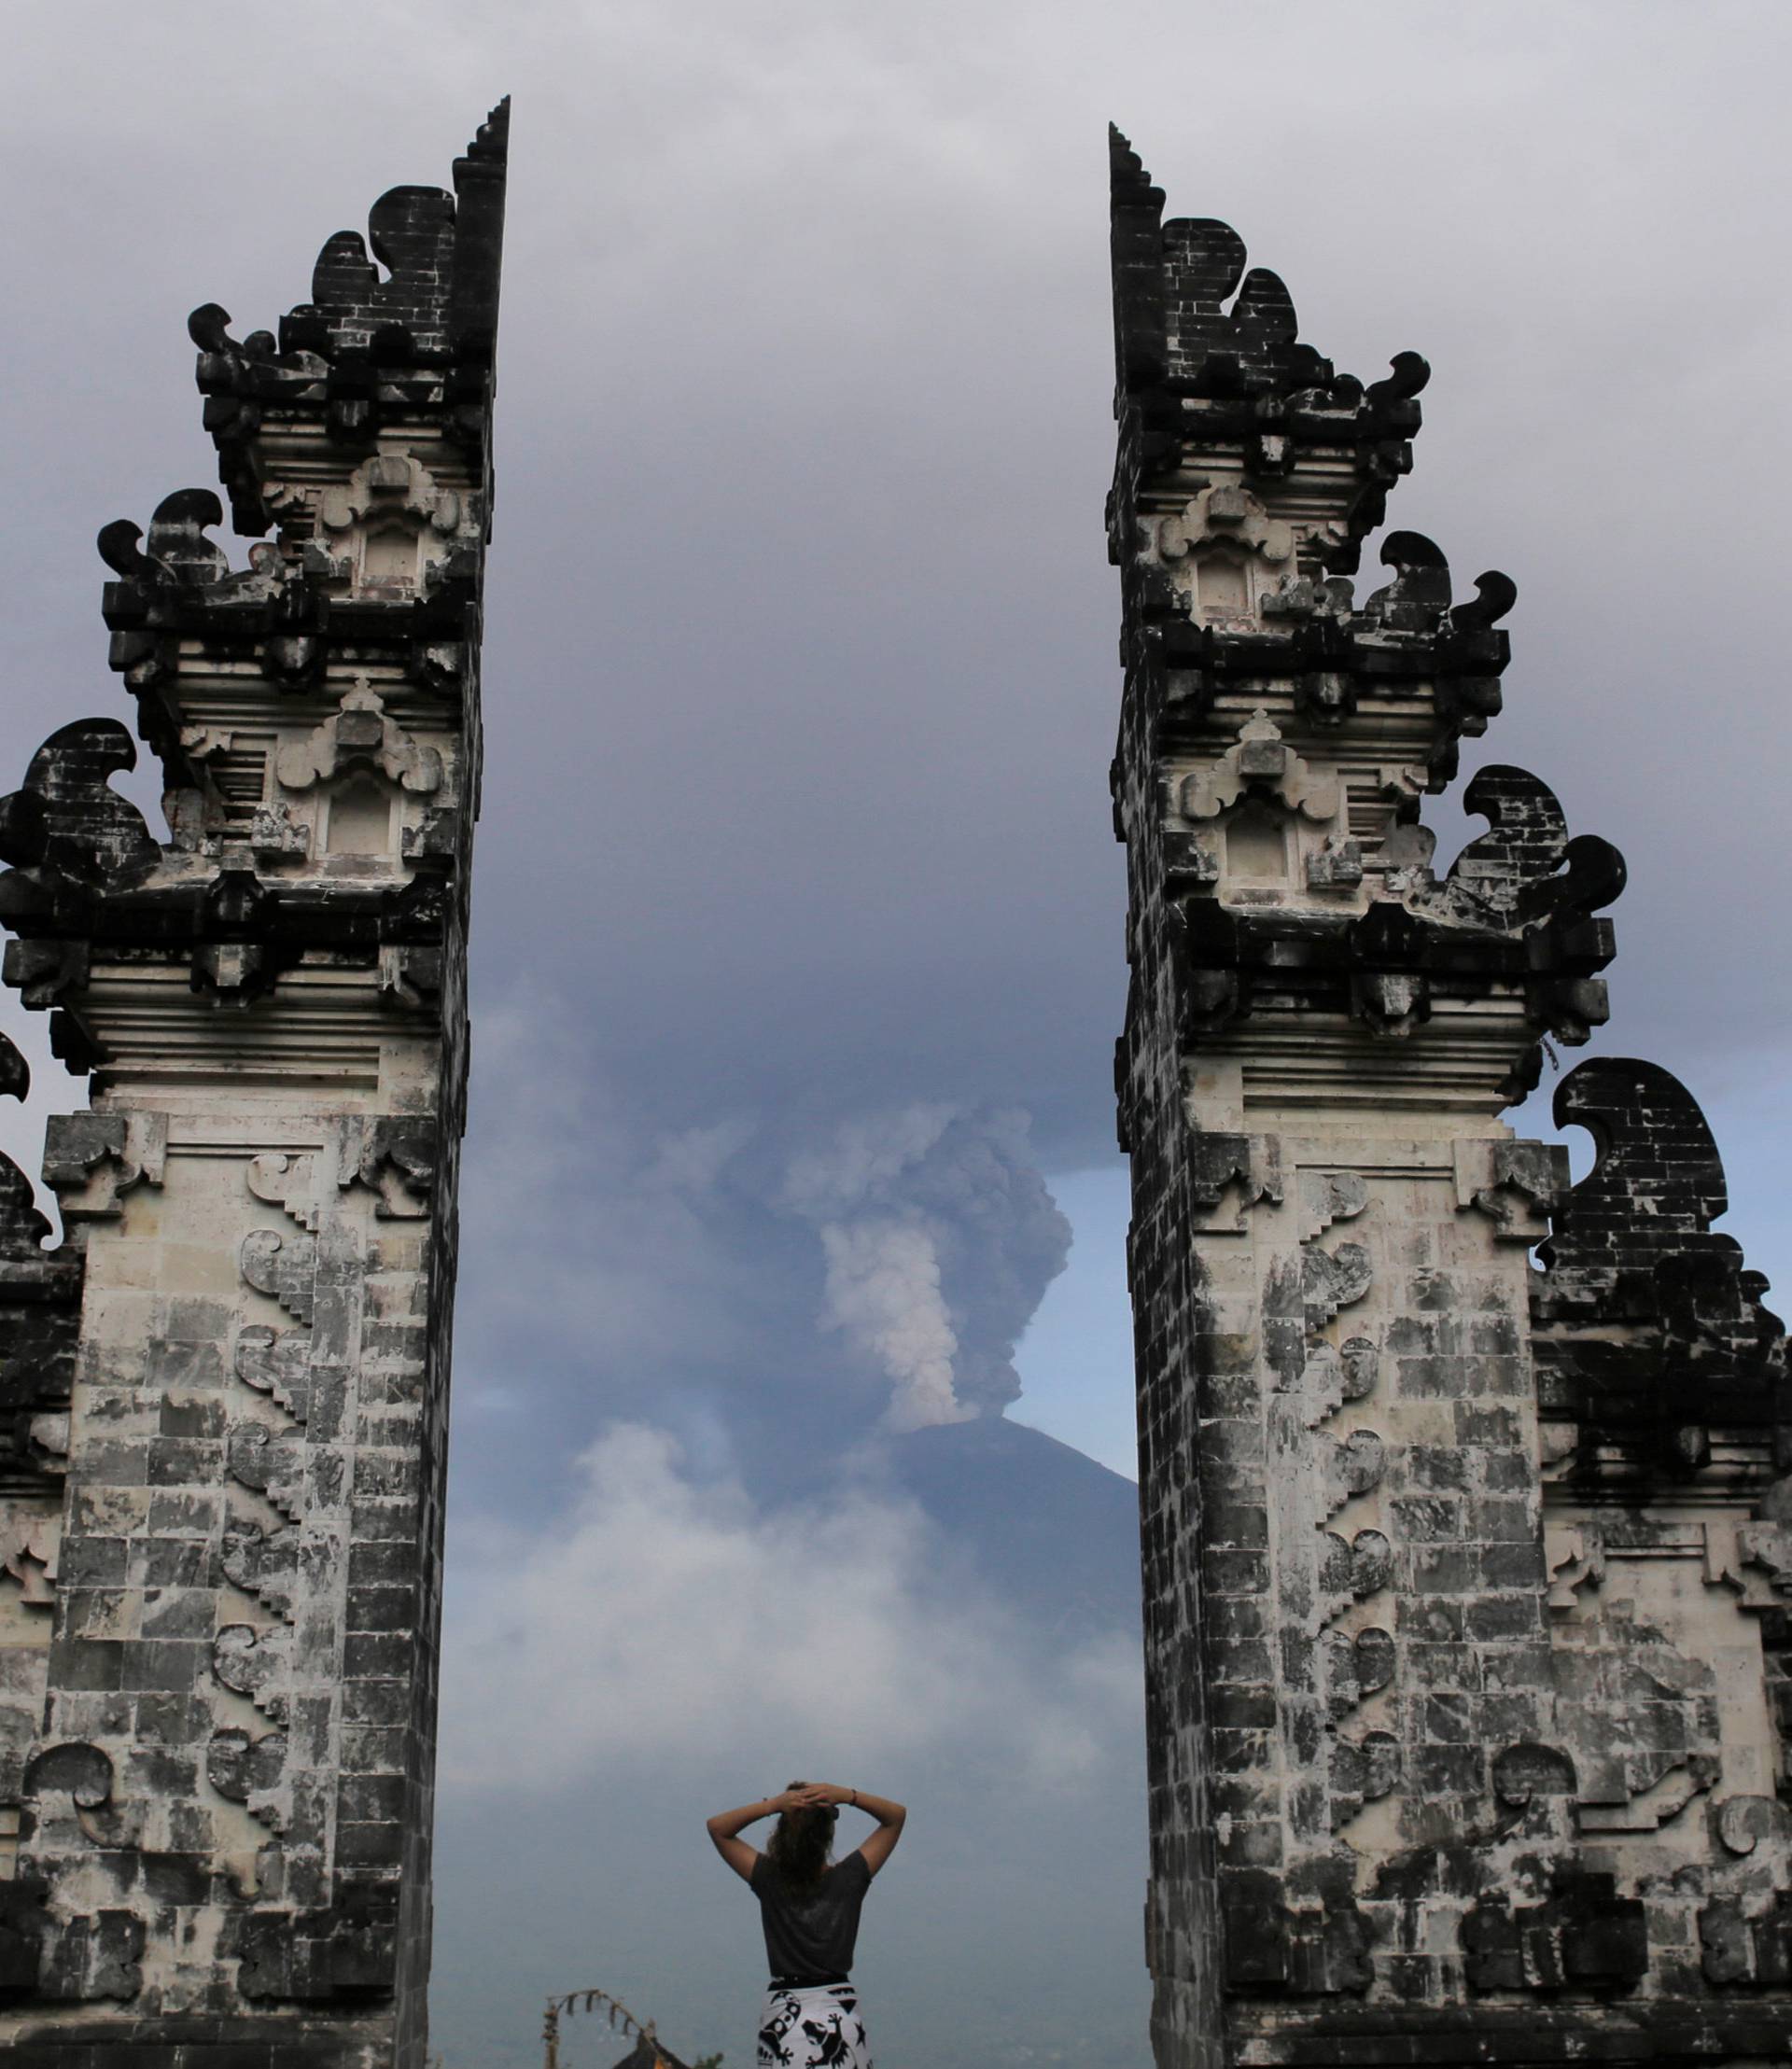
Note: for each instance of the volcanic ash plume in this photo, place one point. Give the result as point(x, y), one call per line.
point(940, 1239)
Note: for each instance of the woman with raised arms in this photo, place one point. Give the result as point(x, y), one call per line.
point(808, 1904)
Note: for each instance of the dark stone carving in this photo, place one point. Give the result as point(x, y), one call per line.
point(40, 1296)
point(346, 1950)
point(420, 338)
point(1271, 1946)
point(1189, 320)
point(1648, 1329)
point(1386, 968)
point(1582, 1937)
point(67, 820)
point(1526, 872)
point(1418, 598)
point(22, 1934)
point(1739, 1949)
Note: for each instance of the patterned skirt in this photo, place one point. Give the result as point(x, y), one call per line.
point(813, 2026)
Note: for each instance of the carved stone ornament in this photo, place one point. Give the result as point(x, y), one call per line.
point(1225, 513)
point(387, 513)
point(360, 735)
point(1260, 762)
point(92, 1159)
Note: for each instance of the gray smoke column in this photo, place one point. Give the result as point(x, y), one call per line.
point(939, 1237)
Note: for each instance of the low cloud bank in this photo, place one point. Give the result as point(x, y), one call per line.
point(669, 1617)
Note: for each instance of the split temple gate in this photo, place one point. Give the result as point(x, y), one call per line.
point(1467, 1578)
point(223, 1397)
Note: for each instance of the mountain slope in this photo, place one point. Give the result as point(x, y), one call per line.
point(1048, 1529)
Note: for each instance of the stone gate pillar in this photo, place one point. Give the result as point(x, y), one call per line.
point(1467, 1581)
point(223, 1399)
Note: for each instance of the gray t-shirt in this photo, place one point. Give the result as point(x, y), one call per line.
point(810, 1932)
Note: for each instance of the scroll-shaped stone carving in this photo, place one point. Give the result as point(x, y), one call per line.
point(244, 1769)
point(69, 1797)
point(1351, 1466)
point(1329, 1377)
point(285, 1267)
point(360, 735)
point(273, 1461)
point(67, 820)
point(1418, 598)
point(1494, 596)
point(290, 1182)
point(1351, 1569)
point(1358, 1667)
point(177, 552)
point(1527, 1772)
point(1361, 1360)
point(1362, 1770)
point(1260, 762)
point(82, 1772)
point(1213, 342)
point(265, 1564)
point(254, 1663)
point(1331, 1279)
point(1526, 870)
point(1328, 1196)
point(277, 1362)
point(411, 231)
point(1649, 1332)
point(1528, 840)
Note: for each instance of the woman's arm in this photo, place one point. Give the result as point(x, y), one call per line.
point(890, 1817)
point(726, 1825)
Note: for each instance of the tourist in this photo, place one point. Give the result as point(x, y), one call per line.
point(808, 1904)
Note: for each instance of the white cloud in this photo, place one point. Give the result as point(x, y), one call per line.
point(666, 1614)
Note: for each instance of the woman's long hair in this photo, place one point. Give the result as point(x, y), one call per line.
point(801, 1843)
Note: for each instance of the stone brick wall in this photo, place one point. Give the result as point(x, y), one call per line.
point(225, 1395)
point(1467, 1581)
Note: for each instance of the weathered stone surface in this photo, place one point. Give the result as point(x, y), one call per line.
point(223, 1400)
point(1466, 1583)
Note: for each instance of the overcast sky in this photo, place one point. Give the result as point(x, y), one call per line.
point(798, 918)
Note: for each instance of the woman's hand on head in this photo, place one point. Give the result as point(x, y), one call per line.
point(812, 1795)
